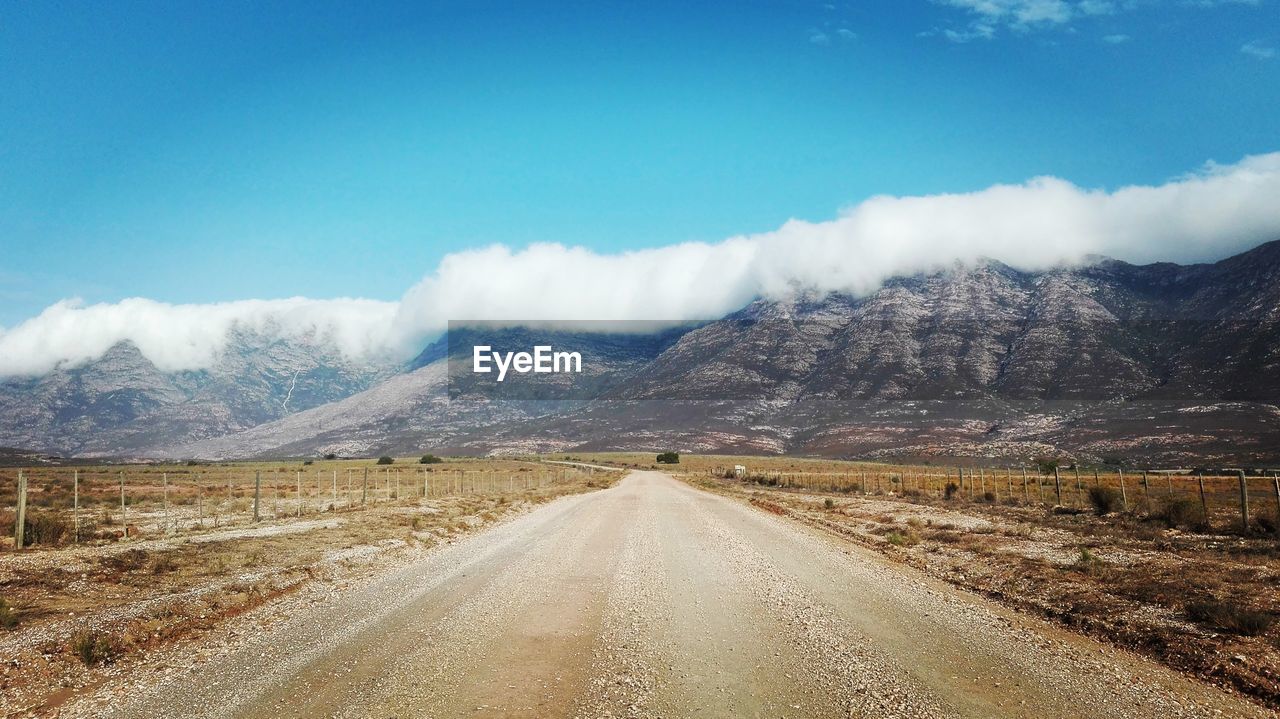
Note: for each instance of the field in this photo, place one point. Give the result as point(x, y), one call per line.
point(184, 556)
point(607, 603)
point(1147, 569)
point(1201, 499)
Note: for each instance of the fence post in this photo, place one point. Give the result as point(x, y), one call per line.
point(1244, 501)
point(164, 479)
point(1057, 483)
point(962, 490)
point(1124, 494)
point(75, 499)
point(335, 490)
point(364, 491)
point(257, 495)
point(1204, 506)
point(1146, 491)
point(1275, 484)
point(299, 510)
point(20, 517)
point(124, 517)
point(1026, 495)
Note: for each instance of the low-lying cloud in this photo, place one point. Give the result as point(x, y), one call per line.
point(186, 337)
point(1045, 222)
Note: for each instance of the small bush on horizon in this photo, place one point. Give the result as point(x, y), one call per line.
point(331, 455)
point(430, 459)
point(1047, 464)
point(669, 458)
point(385, 460)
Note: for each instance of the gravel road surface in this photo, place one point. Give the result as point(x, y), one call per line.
point(654, 599)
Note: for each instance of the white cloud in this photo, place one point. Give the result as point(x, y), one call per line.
point(1206, 215)
point(989, 16)
point(1044, 222)
point(1016, 14)
point(1258, 50)
point(182, 337)
point(1116, 39)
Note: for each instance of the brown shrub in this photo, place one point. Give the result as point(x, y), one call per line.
point(164, 564)
point(129, 560)
point(95, 647)
point(47, 528)
point(1105, 500)
point(1230, 618)
point(1181, 513)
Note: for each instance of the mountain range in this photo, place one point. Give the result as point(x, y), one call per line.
point(1159, 364)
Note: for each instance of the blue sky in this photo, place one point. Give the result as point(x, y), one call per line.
point(266, 150)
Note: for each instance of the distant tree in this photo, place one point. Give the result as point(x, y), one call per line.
point(1047, 464)
point(669, 458)
point(331, 455)
point(385, 460)
point(430, 459)
point(308, 462)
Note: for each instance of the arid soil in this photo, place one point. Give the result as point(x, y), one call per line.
point(88, 615)
point(1126, 578)
point(648, 599)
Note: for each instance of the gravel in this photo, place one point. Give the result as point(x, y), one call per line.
point(650, 599)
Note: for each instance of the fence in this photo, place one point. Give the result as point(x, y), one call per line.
point(68, 505)
point(1219, 499)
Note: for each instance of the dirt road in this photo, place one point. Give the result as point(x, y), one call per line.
point(656, 599)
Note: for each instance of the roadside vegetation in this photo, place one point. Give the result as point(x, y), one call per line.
point(1160, 576)
point(70, 609)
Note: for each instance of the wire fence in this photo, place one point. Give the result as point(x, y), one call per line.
point(57, 506)
point(1239, 498)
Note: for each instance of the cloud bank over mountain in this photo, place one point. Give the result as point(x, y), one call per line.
point(187, 337)
point(1211, 213)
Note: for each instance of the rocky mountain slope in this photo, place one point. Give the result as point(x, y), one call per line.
point(1160, 363)
point(122, 405)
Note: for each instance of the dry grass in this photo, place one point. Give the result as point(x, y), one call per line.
point(106, 601)
point(1149, 579)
